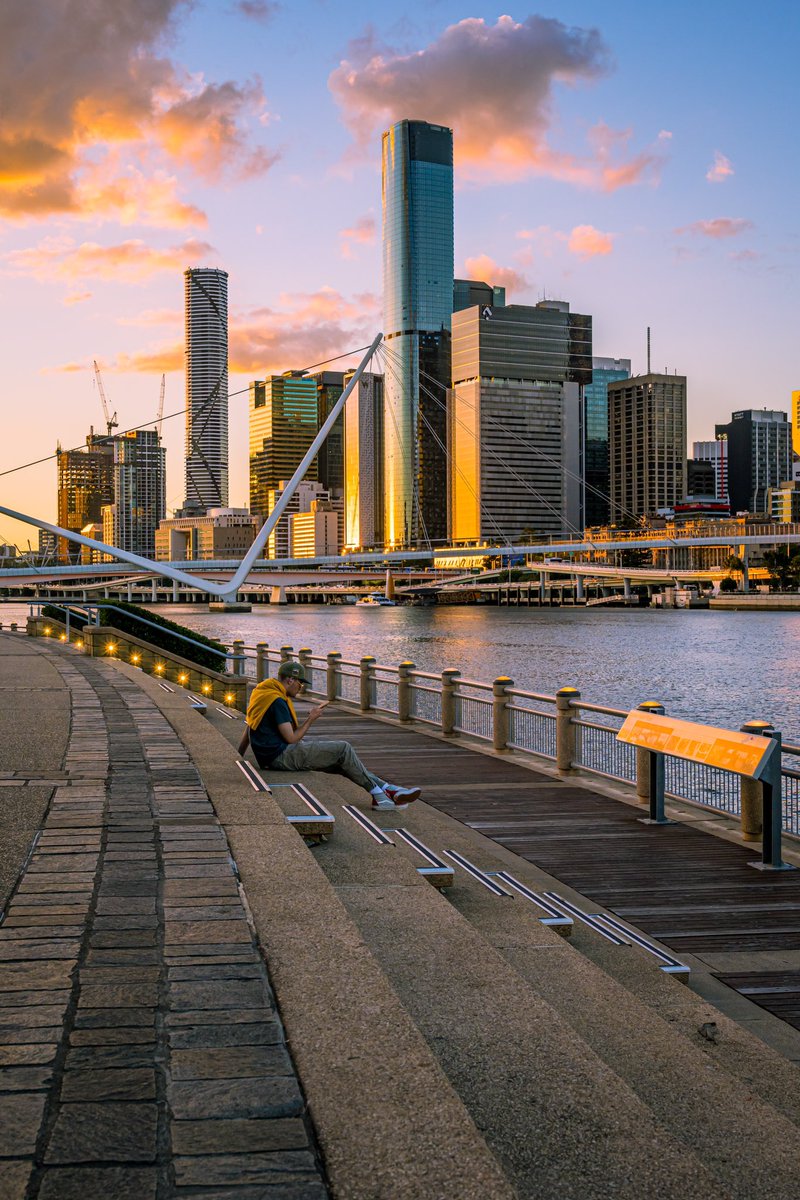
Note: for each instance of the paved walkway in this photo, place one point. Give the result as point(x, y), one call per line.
point(142, 1055)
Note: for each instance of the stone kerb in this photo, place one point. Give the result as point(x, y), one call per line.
point(106, 641)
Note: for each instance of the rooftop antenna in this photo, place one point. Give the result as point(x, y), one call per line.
point(648, 349)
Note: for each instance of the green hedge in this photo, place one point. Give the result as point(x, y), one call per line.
point(124, 617)
point(77, 619)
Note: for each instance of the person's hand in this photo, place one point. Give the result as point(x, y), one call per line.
point(315, 713)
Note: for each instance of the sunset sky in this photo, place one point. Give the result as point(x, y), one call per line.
point(637, 160)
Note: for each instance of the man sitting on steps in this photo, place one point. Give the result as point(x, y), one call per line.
point(277, 740)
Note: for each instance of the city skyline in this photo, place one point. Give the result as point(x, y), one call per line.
point(683, 232)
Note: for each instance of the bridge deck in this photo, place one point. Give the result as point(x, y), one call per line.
point(691, 890)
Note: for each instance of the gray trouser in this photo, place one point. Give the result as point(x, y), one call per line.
point(338, 758)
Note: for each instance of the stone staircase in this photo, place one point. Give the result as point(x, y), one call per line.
point(450, 1043)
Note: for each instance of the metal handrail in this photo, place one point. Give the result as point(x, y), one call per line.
point(152, 624)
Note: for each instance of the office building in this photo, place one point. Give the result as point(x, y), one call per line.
point(85, 484)
point(647, 445)
point(283, 424)
point(47, 547)
point(784, 501)
point(220, 533)
point(363, 464)
point(417, 196)
point(715, 453)
point(307, 493)
point(139, 490)
point(604, 372)
point(759, 456)
point(515, 422)
point(206, 298)
point(330, 460)
point(314, 533)
point(701, 479)
point(796, 422)
point(469, 292)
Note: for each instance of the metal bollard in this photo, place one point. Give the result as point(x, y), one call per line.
point(367, 675)
point(262, 661)
point(450, 678)
point(771, 785)
point(566, 731)
point(750, 789)
point(500, 688)
point(643, 756)
point(331, 688)
point(404, 690)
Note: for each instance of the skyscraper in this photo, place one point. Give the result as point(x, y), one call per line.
point(647, 445)
point(206, 292)
point(284, 418)
point(139, 490)
point(759, 456)
point(515, 421)
point(330, 460)
point(604, 371)
point(417, 193)
point(716, 453)
point(796, 422)
point(85, 484)
point(363, 464)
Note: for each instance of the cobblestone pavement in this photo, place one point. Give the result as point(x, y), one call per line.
point(141, 1056)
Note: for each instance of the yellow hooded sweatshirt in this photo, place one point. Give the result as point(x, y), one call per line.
point(263, 697)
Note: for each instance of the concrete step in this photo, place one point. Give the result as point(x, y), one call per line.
point(559, 1120)
point(750, 1146)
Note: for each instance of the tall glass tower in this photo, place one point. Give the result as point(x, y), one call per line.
point(206, 290)
point(596, 461)
point(417, 190)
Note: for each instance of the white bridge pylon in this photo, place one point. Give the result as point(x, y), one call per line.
point(228, 589)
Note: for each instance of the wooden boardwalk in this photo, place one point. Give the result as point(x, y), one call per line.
point(689, 889)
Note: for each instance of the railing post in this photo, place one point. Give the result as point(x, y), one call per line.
point(304, 657)
point(450, 678)
point(237, 658)
point(566, 731)
point(404, 690)
point(500, 687)
point(750, 790)
point(643, 756)
point(367, 675)
point(286, 653)
point(333, 667)
point(262, 661)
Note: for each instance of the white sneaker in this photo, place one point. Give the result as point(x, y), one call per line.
point(382, 802)
point(401, 796)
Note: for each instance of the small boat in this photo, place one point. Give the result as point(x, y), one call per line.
point(375, 600)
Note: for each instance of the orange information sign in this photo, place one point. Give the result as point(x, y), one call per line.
point(745, 753)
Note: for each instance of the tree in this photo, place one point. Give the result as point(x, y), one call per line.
point(727, 584)
point(784, 569)
point(734, 563)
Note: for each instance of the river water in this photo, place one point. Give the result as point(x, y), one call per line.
point(721, 668)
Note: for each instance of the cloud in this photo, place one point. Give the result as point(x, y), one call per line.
point(257, 10)
point(587, 242)
point(719, 227)
point(362, 233)
point(132, 261)
point(88, 89)
point(485, 268)
point(720, 169)
point(153, 317)
point(305, 328)
point(76, 297)
point(745, 256)
point(494, 85)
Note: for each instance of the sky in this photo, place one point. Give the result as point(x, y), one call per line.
point(636, 160)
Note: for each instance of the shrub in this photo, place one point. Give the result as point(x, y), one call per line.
point(55, 612)
point(727, 584)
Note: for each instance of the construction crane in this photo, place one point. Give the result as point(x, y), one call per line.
point(160, 416)
point(111, 421)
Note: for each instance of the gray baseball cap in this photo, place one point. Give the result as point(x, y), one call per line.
point(291, 670)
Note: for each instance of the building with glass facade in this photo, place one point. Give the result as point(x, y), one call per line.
point(796, 422)
point(515, 422)
point(468, 292)
point(330, 460)
point(759, 457)
point(85, 484)
point(140, 482)
point(716, 453)
point(363, 464)
point(284, 414)
point(418, 272)
point(647, 445)
point(220, 533)
point(604, 371)
point(206, 299)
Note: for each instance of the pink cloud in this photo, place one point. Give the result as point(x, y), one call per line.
point(363, 232)
point(76, 298)
point(720, 169)
point(718, 227)
point(485, 268)
point(494, 86)
point(587, 242)
point(132, 261)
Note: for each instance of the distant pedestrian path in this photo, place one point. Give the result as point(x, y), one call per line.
point(140, 1048)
